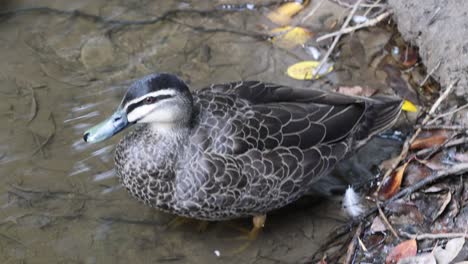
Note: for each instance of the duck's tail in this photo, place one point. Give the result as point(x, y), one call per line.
point(381, 113)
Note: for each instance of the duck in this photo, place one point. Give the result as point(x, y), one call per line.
point(234, 150)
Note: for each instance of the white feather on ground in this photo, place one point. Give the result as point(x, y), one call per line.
point(352, 203)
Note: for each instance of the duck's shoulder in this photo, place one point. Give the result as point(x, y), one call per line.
point(258, 92)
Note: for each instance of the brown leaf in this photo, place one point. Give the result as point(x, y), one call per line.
point(392, 183)
point(423, 143)
point(406, 208)
point(405, 249)
point(357, 90)
point(414, 173)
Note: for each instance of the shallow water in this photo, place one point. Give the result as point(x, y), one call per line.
point(60, 201)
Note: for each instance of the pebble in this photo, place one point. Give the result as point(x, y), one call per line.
point(97, 52)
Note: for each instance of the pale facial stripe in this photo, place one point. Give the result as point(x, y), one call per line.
point(139, 112)
point(152, 94)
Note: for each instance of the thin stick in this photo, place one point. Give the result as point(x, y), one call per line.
point(368, 23)
point(447, 114)
point(384, 218)
point(404, 151)
point(446, 127)
point(312, 12)
point(351, 252)
point(435, 236)
point(375, 4)
point(337, 38)
point(456, 169)
point(429, 74)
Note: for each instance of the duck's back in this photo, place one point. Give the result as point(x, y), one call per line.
point(255, 147)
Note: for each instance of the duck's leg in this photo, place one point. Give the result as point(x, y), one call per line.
point(258, 223)
point(251, 234)
point(180, 220)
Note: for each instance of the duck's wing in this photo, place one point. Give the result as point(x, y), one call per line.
point(259, 146)
point(339, 114)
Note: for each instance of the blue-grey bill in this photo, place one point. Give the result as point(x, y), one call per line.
point(107, 128)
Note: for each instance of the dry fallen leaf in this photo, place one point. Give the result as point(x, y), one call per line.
point(284, 13)
point(414, 173)
point(453, 247)
point(427, 258)
point(290, 37)
point(357, 90)
point(423, 143)
point(398, 84)
point(408, 209)
point(305, 70)
point(405, 249)
point(378, 225)
point(461, 157)
point(447, 200)
point(392, 183)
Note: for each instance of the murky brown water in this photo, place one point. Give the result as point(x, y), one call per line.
point(60, 201)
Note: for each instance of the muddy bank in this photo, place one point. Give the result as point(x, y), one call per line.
point(439, 28)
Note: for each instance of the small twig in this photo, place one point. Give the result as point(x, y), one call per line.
point(408, 142)
point(434, 236)
point(312, 12)
point(375, 4)
point(337, 38)
point(385, 219)
point(429, 74)
point(446, 127)
point(454, 170)
point(457, 169)
point(447, 114)
point(351, 252)
point(368, 23)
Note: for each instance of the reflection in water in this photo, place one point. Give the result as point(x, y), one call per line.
point(60, 199)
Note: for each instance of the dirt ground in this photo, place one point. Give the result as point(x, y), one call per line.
point(439, 28)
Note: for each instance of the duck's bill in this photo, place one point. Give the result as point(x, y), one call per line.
point(106, 129)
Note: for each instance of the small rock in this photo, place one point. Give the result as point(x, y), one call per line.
point(97, 52)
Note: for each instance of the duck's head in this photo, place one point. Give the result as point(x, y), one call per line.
point(163, 100)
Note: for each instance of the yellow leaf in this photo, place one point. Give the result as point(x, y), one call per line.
point(304, 70)
point(409, 106)
point(289, 37)
point(283, 14)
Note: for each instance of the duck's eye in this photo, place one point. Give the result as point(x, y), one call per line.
point(150, 100)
